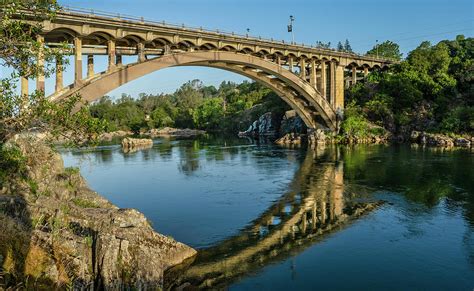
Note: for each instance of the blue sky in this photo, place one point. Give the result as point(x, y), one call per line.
point(407, 22)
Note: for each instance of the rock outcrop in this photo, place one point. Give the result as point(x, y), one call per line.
point(57, 233)
point(109, 136)
point(292, 123)
point(439, 140)
point(290, 139)
point(265, 125)
point(134, 144)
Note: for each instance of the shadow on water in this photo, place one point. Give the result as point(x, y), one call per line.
point(313, 207)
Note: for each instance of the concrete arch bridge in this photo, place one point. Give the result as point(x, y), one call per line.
point(311, 80)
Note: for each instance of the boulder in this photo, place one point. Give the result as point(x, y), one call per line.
point(134, 144)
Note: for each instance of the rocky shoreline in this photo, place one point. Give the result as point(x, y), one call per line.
point(290, 131)
point(57, 232)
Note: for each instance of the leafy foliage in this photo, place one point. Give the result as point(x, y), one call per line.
point(431, 90)
point(230, 107)
point(20, 48)
point(386, 49)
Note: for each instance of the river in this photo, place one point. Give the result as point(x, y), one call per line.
point(270, 218)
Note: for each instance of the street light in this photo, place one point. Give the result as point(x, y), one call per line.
point(290, 29)
point(377, 47)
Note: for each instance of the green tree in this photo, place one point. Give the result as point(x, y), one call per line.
point(347, 46)
point(20, 48)
point(387, 49)
point(209, 114)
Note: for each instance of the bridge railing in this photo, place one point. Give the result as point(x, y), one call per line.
point(142, 20)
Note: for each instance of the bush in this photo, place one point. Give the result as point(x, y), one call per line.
point(12, 162)
point(458, 120)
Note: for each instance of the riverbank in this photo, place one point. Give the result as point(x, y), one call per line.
point(56, 231)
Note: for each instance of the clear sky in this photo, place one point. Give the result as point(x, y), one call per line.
point(407, 22)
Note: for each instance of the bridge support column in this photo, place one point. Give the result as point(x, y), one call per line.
point(90, 66)
point(339, 87)
point(118, 60)
point(111, 53)
point(77, 60)
point(324, 83)
point(366, 72)
point(314, 216)
point(24, 86)
point(290, 64)
point(40, 64)
point(332, 83)
point(312, 77)
point(278, 60)
point(303, 69)
point(354, 75)
point(59, 74)
point(141, 52)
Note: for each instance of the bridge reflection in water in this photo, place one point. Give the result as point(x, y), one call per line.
point(313, 207)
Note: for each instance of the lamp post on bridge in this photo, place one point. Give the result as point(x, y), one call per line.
point(290, 29)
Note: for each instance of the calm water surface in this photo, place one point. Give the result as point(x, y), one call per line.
point(270, 218)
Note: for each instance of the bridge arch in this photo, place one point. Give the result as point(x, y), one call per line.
point(299, 94)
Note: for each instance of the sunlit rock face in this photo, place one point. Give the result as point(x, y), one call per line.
point(56, 231)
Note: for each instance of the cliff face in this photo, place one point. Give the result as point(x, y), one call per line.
point(56, 231)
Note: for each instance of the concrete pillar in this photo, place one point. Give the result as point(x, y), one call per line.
point(312, 76)
point(366, 72)
point(118, 60)
point(332, 82)
point(324, 83)
point(59, 74)
point(354, 75)
point(339, 87)
point(111, 53)
point(141, 52)
point(290, 64)
point(166, 49)
point(40, 64)
point(90, 66)
point(303, 69)
point(77, 60)
point(24, 86)
point(278, 60)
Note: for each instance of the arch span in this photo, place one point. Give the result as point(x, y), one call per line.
point(298, 93)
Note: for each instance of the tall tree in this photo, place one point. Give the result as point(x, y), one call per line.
point(387, 49)
point(347, 46)
point(340, 47)
point(19, 48)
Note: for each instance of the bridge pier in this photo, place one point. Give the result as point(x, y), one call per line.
point(290, 64)
point(59, 74)
point(90, 66)
point(24, 86)
point(366, 72)
point(313, 77)
point(324, 84)
point(141, 52)
point(354, 75)
point(111, 54)
point(303, 69)
point(118, 61)
point(332, 82)
point(40, 64)
point(77, 61)
point(339, 87)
